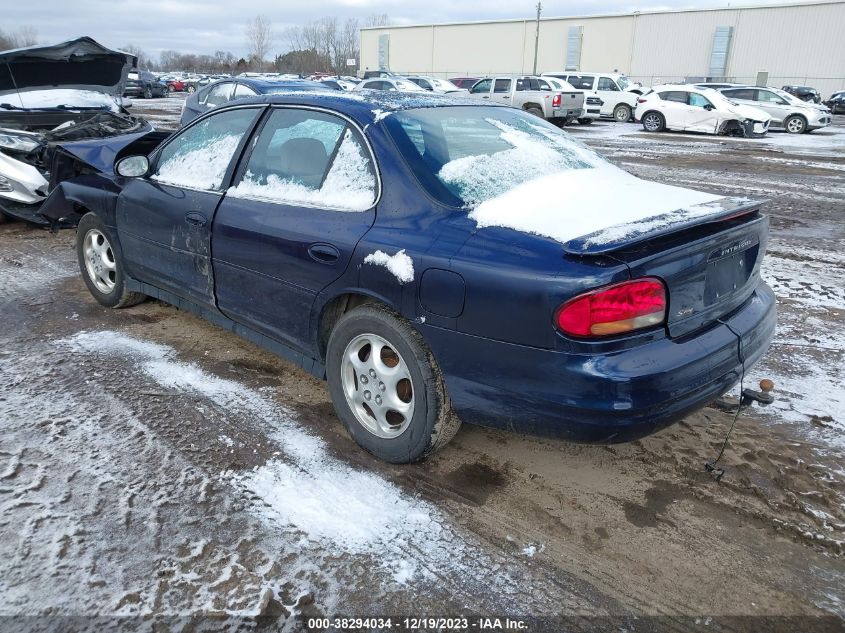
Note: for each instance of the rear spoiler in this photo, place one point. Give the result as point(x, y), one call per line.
point(615, 237)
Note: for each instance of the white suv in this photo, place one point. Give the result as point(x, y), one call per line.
point(617, 93)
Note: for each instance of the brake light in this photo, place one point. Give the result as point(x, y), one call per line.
point(641, 100)
point(624, 307)
point(556, 100)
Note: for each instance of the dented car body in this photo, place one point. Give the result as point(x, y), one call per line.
point(282, 217)
point(51, 96)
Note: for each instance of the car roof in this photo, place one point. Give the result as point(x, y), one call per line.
point(363, 106)
point(263, 84)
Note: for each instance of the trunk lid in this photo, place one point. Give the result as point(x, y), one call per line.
point(710, 269)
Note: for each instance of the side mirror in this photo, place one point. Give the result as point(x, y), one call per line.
point(133, 166)
point(709, 107)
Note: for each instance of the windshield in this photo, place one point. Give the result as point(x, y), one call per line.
point(401, 84)
point(468, 155)
point(623, 82)
point(443, 84)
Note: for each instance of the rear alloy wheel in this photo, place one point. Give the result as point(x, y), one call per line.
point(191, 89)
point(148, 93)
point(653, 122)
point(795, 124)
point(386, 386)
point(535, 111)
point(100, 265)
point(622, 113)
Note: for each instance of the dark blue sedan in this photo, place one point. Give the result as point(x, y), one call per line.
point(437, 260)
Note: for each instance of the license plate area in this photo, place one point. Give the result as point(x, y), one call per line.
point(728, 274)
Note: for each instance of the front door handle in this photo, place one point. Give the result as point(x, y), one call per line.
point(195, 219)
point(324, 253)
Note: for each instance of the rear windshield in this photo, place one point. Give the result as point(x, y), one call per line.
point(468, 155)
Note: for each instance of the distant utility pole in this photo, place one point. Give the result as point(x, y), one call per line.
point(537, 37)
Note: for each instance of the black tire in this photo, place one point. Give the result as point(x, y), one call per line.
point(535, 111)
point(585, 121)
point(118, 296)
point(432, 423)
point(653, 122)
point(191, 89)
point(622, 113)
point(148, 93)
point(795, 124)
point(4, 218)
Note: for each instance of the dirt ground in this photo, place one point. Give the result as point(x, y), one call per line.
point(169, 479)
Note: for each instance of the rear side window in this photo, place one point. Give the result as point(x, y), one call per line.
point(581, 82)
point(740, 93)
point(219, 94)
point(502, 85)
point(199, 157)
point(308, 158)
point(243, 91)
point(678, 96)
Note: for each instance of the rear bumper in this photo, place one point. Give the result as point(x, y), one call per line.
point(600, 398)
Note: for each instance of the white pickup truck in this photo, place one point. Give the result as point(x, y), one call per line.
point(532, 94)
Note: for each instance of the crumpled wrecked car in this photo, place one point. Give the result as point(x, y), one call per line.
point(415, 251)
point(49, 96)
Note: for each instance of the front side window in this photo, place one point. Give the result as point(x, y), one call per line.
point(199, 156)
point(606, 83)
point(303, 157)
point(740, 93)
point(502, 85)
point(482, 87)
point(466, 156)
point(698, 101)
point(770, 97)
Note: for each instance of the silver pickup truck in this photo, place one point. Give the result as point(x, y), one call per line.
point(532, 94)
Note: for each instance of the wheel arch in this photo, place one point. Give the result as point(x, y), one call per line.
point(327, 314)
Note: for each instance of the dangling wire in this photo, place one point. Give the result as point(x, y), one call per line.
point(711, 465)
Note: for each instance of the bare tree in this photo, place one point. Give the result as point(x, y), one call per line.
point(259, 37)
point(143, 60)
point(24, 36)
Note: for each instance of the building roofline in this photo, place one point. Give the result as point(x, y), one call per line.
point(743, 7)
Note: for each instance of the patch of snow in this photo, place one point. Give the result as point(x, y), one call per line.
point(349, 185)
point(55, 97)
point(400, 264)
point(605, 203)
point(199, 166)
point(404, 571)
point(529, 550)
point(380, 115)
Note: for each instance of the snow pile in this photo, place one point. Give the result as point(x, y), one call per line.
point(308, 489)
point(202, 165)
point(349, 185)
point(380, 115)
point(605, 203)
point(400, 264)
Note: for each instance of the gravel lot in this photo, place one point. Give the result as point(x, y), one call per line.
point(155, 465)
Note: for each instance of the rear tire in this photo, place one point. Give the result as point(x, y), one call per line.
point(392, 401)
point(585, 121)
point(4, 218)
point(535, 111)
point(101, 265)
point(622, 113)
point(148, 93)
point(654, 122)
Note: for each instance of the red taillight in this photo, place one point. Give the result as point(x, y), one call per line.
point(556, 100)
point(641, 100)
point(620, 308)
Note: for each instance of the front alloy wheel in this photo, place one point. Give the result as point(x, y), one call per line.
point(99, 261)
point(653, 122)
point(795, 125)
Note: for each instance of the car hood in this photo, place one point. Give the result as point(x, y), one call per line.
point(81, 64)
point(749, 112)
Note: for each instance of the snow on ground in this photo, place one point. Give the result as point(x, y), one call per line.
point(400, 265)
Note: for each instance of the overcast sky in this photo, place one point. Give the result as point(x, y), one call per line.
point(203, 27)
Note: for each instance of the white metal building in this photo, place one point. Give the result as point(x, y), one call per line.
point(794, 43)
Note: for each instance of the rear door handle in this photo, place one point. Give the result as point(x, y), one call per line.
point(324, 253)
point(196, 219)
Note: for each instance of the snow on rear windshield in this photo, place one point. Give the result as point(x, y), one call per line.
point(481, 153)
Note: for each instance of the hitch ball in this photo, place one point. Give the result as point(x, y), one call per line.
point(766, 385)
